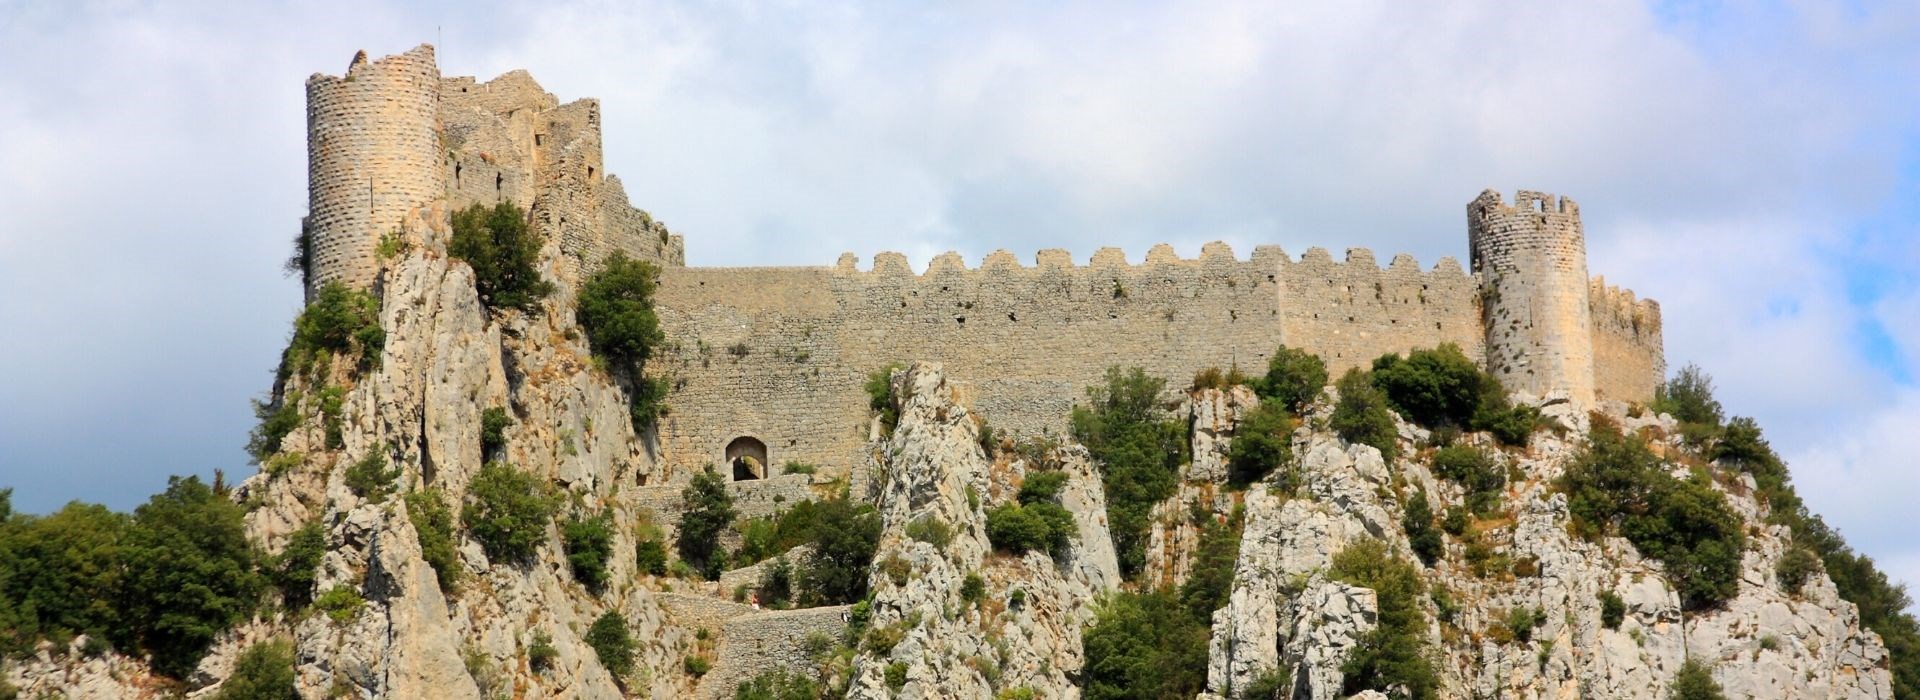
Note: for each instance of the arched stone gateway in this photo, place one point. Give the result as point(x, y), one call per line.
point(748, 457)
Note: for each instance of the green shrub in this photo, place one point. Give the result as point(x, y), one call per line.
point(1294, 378)
point(332, 416)
point(762, 538)
point(973, 589)
point(341, 603)
point(612, 643)
point(340, 321)
point(1139, 447)
point(931, 530)
point(507, 512)
point(797, 468)
point(1476, 473)
point(541, 653)
point(189, 574)
point(1613, 610)
point(371, 478)
point(1271, 684)
point(1043, 526)
point(1418, 523)
point(778, 684)
point(880, 399)
point(263, 672)
point(896, 674)
point(1262, 442)
point(59, 573)
point(433, 525)
point(1210, 579)
point(1144, 645)
point(493, 430)
point(706, 509)
point(1519, 622)
point(276, 422)
point(1455, 521)
point(293, 571)
point(589, 546)
point(776, 584)
point(696, 665)
point(1617, 482)
point(616, 311)
point(495, 242)
point(1688, 397)
point(1441, 387)
point(844, 537)
point(650, 557)
point(1795, 567)
point(1042, 486)
point(1392, 654)
point(1362, 416)
point(1695, 682)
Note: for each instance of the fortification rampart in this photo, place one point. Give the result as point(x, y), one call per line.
point(373, 160)
point(781, 354)
point(776, 358)
point(1629, 358)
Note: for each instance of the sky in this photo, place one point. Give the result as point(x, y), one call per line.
point(1754, 166)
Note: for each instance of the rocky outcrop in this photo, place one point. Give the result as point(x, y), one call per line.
point(1285, 617)
point(1024, 631)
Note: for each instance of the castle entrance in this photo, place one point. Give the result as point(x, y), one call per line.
point(748, 456)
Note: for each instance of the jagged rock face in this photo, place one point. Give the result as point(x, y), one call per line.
point(1283, 613)
point(1174, 535)
point(932, 467)
point(446, 359)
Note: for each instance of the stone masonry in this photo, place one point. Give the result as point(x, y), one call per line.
point(780, 354)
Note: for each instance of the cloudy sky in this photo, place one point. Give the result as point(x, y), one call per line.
point(1754, 166)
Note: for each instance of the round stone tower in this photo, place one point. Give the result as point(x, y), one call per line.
point(372, 158)
point(1531, 259)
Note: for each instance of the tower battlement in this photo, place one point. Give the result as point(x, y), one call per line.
point(395, 147)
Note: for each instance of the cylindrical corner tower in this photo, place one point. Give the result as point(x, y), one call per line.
point(1531, 259)
point(372, 158)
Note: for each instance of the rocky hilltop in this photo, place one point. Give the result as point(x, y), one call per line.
point(945, 610)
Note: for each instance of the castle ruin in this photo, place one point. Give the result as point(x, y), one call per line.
point(771, 361)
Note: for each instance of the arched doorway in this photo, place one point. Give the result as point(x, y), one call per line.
point(748, 458)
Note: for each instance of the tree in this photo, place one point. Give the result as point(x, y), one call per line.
point(263, 672)
point(502, 252)
point(293, 571)
point(1391, 655)
point(706, 510)
point(1418, 523)
point(433, 525)
point(507, 511)
point(1433, 387)
point(616, 310)
point(1139, 447)
point(1144, 645)
point(190, 573)
point(1361, 415)
point(340, 321)
point(59, 573)
point(1688, 397)
point(589, 543)
point(1262, 442)
point(1210, 580)
point(845, 536)
point(1294, 378)
point(613, 643)
point(1476, 473)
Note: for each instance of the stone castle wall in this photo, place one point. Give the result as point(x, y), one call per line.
point(373, 159)
point(392, 147)
point(781, 354)
point(1629, 359)
point(1531, 259)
